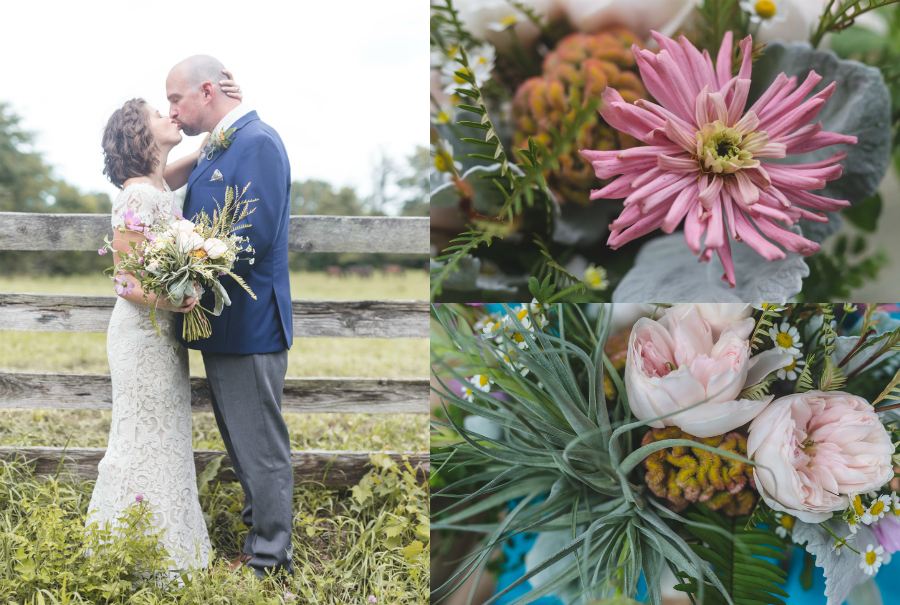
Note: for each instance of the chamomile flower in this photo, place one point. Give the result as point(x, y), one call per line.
point(785, 524)
point(492, 327)
point(791, 371)
point(482, 382)
point(853, 523)
point(876, 510)
point(786, 338)
point(443, 159)
point(765, 11)
point(537, 307)
point(520, 367)
point(522, 315)
point(774, 307)
point(504, 23)
point(849, 308)
point(595, 277)
point(872, 559)
point(838, 547)
point(481, 63)
point(468, 395)
point(519, 340)
point(895, 504)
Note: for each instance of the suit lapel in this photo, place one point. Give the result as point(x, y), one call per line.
point(203, 166)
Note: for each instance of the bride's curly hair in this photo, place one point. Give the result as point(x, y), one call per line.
point(129, 148)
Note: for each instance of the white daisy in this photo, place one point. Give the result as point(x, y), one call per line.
point(492, 327)
point(872, 559)
point(481, 62)
point(468, 395)
point(522, 315)
point(853, 523)
point(595, 277)
point(504, 23)
point(767, 306)
point(765, 11)
point(876, 510)
point(785, 524)
point(790, 371)
point(519, 340)
point(482, 382)
point(520, 367)
point(786, 338)
point(895, 504)
point(849, 308)
point(838, 547)
point(443, 159)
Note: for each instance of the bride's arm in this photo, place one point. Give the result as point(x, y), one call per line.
point(136, 296)
point(177, 172)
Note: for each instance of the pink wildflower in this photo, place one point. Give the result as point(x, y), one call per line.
point(101, 252)
point(372, 598)
point(702, 158)
point(123, 288)
point(139, 498)
point(132, 220)
point(289, 596)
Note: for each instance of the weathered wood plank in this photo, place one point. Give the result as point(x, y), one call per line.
point(32, 390)
point(406, 235)
point(332, 468)
point(312, 318)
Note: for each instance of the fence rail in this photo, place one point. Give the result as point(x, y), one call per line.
point(311, 319)
point(332, 468)
point(365, 234)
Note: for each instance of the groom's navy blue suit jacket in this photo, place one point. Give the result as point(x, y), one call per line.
point(256, 156)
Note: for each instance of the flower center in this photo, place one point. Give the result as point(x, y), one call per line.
point(784, 340)
point(857, 506)
point(483, 380)
point(877, 508)
point(791, 365)
point(507, 21)
point(441, 162)
point(719, 149)
point(870, 558)
point(765, 9)
point(787, 522)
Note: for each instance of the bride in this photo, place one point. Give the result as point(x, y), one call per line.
point(150, 453)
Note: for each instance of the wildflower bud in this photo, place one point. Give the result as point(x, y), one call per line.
point(576, 71)
point(101, 252)
point(139, 498)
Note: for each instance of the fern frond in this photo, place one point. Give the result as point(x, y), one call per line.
point(735, 559)
point(805, 382)
point(759, 391)
point(764, 323)
point(469, 240)
point(891, 392)
point(833, 378)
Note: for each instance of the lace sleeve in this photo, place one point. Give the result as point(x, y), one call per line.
point(140, 200)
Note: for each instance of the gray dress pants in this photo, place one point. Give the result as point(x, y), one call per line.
point(246, 399)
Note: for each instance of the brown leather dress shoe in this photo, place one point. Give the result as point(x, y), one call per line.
point(235, 565)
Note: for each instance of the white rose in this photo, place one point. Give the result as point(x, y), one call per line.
point(192, 242)
point(214, 248)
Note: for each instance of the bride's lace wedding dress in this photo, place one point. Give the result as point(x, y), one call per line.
point(150, 450)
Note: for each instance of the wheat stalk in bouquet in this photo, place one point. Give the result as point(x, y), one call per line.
point(180, 259)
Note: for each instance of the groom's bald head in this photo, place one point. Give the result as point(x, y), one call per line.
point(196, 102)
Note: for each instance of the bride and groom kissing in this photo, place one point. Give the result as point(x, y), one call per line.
point(150, 453)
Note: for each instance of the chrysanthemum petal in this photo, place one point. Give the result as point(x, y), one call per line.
point(742, 190)
point(680, 163)
point(738, 100)
point(684, 202)
point(748, 123)
point(750, 236)
point(790, 240)
point(723, 60)
point(819, 140)
point(681, 138)
point(709, 190)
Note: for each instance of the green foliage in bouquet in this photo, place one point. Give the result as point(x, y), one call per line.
point(568, 462)
point(738, 556)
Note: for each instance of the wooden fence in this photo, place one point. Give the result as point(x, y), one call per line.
point(311, 319)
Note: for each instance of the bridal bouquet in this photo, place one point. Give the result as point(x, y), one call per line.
point(179, 259)
point(606, 148)
point(703, 439)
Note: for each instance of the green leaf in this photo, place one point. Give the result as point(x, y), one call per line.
point(865, 214)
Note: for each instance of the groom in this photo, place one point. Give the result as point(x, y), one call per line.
point(246, 356)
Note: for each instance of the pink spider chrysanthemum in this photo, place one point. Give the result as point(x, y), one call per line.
point(701, 161)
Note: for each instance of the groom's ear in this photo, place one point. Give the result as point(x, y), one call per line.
point(207, 90)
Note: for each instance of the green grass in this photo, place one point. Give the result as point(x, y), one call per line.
point(346, 546)
point(304, 284)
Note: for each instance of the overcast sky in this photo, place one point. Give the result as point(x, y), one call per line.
point(339, 80)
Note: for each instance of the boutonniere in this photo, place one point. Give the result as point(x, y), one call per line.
point(219, 141)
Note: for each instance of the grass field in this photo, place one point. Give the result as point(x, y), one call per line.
point(349, 545)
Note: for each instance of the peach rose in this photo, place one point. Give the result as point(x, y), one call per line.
point(814, 449)
point(680, 361)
